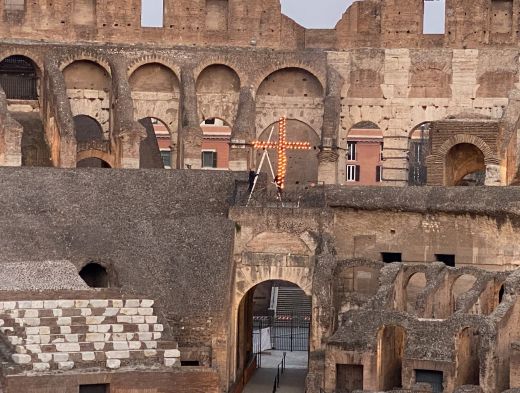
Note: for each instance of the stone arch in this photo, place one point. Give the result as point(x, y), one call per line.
point(302, 165)
point(418, 149)
point(150, 155)
point(489, 156)
point(95, 275)
point(19, 77)
point(75, 74)
point(145, 60)
point(461, 285)
point(391, 341)
point(100, 61)
point(416, 283)
point(320, 76)
point(218, 62)
point(282, 83)
point(154, 77)
point(467, 357)
point(87, 129)
point(36, 58)
point(94, 158)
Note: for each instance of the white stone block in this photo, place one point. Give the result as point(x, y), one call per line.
point(113, 363)
point(172, 353)
point(158, 327)
point(86, 312)
point(103, 328)
point(147, 303)
point(145, 336)
point(124, 319)
point(31, 330)
point(152, 319)
point(117, 328)
point(99, 346)
point(65, 365)
point(145, 311)
point(19, 358)
point(64, 321)
point(45, 357)
point(99, 303)
point(9, 305)
point(58, 340)
point(111, 312)
point(20, 349)
point(139, 319)
point(117, 303)
point(31, 321)
point(45, 330)
point(33, 339)
point(120, 345)
point(68, 347)
point(132, 303)
point(94, 337)
point(108, 337)
point(14, 340)
point(33, 348)
point(81, 303)
point(30, 313)
point(157, 335)
point(94, 320)
point(45, 339)
point(128, 311)
point(119, 337)
point(170, 362)
point(60, 357)
point(41, 366)
point(118, 354)
point(66, 303)
point(65, 329)
point(71, 338)
point(134, 345)
point(24, 304)
point(93, 328)
point(143, 327)
point(88, 356)
point(150, 344)
point(50, 304)
point(38, 304)
point(150, 353)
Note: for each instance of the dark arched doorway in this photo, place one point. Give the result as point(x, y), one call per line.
point(155, 150)
point(465, 166)
point(418, 150)
point(92, 162)
point(19, 78)
point(274, 320)
point(95, 275)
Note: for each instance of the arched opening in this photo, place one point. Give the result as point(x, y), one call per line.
point(95, 275)
point(88, 88)
point(465, 166)
point(274, 319)
point(35, 150)
point(302, 165)
point(468, 362)
point(291, 82)
point(154, 77)
point(418, 150)
point(391, 341)
point(19, 78)
point(218, 79)
point(501, 293)
point(364, 155)
point(414, 288)
point(87, 129)
point(92, 162)
point(155, 150)
point(216, 135)
point(460, 287)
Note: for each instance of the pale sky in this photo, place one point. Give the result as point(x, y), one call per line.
point(322, 14)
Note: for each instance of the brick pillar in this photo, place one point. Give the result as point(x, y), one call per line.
point(189, 128)
point(126, 133)
point(240, 154)
point(328, 156)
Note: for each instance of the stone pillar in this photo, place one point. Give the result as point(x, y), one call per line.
point(493, 177)
point(328, 156)
point(243, 134)
point(190, 133)
point(126, 133)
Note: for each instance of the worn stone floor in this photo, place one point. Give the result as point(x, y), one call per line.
point(292, 381)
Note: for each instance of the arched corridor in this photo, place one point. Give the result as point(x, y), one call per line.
point(273, 326)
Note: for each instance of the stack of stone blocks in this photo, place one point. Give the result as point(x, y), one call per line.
point(65, 334)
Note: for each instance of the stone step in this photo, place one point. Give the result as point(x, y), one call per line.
point(74, 312)
point(87, 346)
point(78, 329)
point(81, 320)
point(89, 337)
point(63, 304)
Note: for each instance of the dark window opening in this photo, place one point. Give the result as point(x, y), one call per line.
point(433, 378)
point(379, 173)
point(209, 159)
point(95, 275)
point(447, 259)
point(18, 78)
point(100, 388)
point(501, 293)
point(166, 156)
point(389, 257)
point(190, 363)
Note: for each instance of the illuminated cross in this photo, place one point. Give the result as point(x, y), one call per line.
point(281, 146)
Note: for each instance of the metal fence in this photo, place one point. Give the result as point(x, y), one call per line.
point(19, 88)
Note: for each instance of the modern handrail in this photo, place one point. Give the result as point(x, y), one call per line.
point(280, 369)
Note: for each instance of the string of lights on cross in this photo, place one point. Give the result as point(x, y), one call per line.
point(281, 147)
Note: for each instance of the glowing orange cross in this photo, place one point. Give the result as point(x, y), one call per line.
point(281, 146)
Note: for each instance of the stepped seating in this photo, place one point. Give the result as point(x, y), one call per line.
point(43, 335)
point(292, 301)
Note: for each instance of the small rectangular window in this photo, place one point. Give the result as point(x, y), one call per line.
point(382, 146)
point(379, 173)
point(167, 158)
point(14, 5)
point(447, 259)
point(209, 159)
point(101, 388)
point(434, 20)
point(353, 172)
point(190, 363)
point(389, 257)
point(152, 13)
point(351, 151)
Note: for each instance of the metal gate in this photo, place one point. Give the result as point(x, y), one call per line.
point(419, 149)
point(431, 377)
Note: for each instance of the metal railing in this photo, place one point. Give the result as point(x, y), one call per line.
point(280, 369)
point(287, 332)
point(19, 87)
